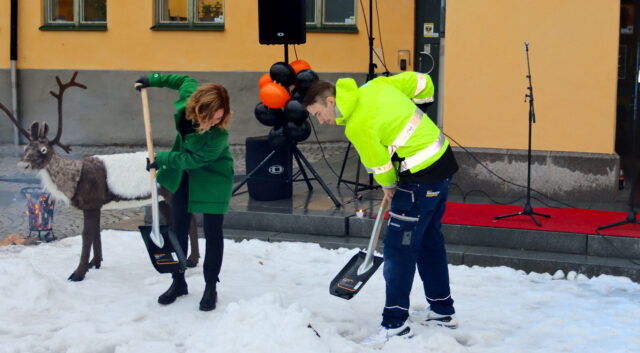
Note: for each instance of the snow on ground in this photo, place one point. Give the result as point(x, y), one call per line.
point(271, 292)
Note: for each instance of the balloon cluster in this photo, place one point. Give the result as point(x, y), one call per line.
point(282, 90)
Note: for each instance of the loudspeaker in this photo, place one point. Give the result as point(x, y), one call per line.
point(282, 21)
point(273, 180)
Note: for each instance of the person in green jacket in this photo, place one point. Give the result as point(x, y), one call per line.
point(411, 159)
point(198, 170)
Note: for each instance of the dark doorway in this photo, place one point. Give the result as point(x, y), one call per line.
point(626, 78)
point(429, 36)
point(629, 37)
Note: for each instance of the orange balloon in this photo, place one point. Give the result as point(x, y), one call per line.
point(274, 95)
point(266, 78)
point(300, 65)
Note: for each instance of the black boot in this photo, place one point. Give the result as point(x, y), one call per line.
point(178, 288)
point(209, 298)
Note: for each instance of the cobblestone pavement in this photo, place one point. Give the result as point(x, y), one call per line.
point(67, 220)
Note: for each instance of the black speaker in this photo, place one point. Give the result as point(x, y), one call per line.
point(273, 180)
point(282, 21)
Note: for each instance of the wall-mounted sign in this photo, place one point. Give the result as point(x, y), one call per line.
point(429, 30)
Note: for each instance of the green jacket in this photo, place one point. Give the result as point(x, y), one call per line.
point(205, 157)
point(376, 114)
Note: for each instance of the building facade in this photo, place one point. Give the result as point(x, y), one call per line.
point(474, 50)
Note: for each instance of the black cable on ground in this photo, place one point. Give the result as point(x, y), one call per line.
point(490, 198)
point(503, 179)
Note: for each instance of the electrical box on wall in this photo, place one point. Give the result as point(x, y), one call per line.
point(404, 59)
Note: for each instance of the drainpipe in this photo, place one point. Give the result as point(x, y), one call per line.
point(14, 57)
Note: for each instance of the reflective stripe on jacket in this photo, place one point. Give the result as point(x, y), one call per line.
point(376, 114)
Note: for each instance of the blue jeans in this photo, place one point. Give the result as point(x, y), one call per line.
point(414, 237)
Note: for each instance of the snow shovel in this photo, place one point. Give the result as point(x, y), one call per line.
point(362, 265)
point(162, 245)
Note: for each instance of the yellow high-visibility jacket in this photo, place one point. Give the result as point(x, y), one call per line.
point(377, 114)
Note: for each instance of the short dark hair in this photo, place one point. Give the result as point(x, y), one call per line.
point(319, 91)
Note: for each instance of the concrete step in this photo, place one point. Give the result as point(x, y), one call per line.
point(470, 255)
point(528, 250)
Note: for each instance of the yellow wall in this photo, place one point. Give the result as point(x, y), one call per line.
point(5, 32)
point(574, 57)
point(130, 45)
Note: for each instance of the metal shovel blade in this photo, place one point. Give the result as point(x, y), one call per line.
point(166, 259)
point(348, 282)
point(362, 266)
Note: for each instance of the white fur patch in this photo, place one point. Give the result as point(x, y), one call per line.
point(126, 174)
point(49, 186)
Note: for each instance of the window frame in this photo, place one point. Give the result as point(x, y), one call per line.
point(77, 24)
point(191, 24)
point(319, 25)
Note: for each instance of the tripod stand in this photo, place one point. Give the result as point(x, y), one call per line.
point(302, 161)
point(528, 210)
point(370, 76)
point(631, 216)
point(298, 156)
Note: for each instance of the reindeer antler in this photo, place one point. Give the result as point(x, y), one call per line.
point(15, 121)
point(61, 88)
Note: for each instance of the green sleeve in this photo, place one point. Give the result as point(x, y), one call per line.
point(374, 155)
point(184, 84)
point(188, 159)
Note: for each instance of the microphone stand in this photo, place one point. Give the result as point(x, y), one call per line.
point(528, 210)
point(631, 216)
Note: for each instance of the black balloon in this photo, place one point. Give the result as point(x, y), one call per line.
point(297, 133)
point(268, 116)
point(277, 138)
point(282, 73)
point(305, 79)
point(295, 111)
point(296, 95)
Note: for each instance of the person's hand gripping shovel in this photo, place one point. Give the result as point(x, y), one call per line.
point(162, 245)
point(362, 266)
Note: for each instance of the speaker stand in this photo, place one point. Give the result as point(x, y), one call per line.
point(358, 186)
point(370, 76)
point(300, 157)
point(302, 162)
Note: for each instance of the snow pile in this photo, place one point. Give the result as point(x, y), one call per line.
point(271, 292)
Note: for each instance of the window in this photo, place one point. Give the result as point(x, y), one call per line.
point(331, 15)
point(75, 14)
point(189, 14)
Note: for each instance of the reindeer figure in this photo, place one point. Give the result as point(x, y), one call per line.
point(91, 183)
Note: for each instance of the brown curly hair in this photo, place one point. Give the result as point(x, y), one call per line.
point(205, 102)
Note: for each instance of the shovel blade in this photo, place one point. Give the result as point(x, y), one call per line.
point(168, 258)
point(348, 283)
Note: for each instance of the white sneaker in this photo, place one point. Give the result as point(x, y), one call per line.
point(430, 318)
point(378, 339)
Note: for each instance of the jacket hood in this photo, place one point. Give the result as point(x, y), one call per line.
point(346, 98)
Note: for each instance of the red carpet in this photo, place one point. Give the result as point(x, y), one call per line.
point(570, 220)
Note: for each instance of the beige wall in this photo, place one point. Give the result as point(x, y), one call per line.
point(130, 45)
point(574, 56)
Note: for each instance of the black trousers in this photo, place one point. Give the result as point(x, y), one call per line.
point(212, 224)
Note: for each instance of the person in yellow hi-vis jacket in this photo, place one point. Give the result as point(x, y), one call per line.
point(413, 162)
